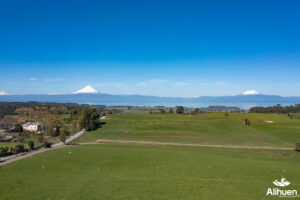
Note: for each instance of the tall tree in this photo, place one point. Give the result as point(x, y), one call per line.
point(180, 110)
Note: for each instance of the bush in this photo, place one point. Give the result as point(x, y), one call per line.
point(162, 111)
point(31, 144)
point(3, 151)
point(41, 139)
point(298, 146)
point(247, 122)
point(18, 128)
point(19, 148)
point(47, 144)
point(62, 136)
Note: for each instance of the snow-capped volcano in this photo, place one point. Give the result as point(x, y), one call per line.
point(86, 90)
point(250, 92)
point(3, 93)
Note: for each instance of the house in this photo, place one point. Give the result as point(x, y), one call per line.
point(21, 121)
point(32, 126)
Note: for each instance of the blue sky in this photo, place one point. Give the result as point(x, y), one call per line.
point(165, 48)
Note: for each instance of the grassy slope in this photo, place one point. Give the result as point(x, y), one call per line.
point(211, 129)
point(131, 172)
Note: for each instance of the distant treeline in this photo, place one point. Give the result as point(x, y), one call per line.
point(276, 109)
point(11, 108)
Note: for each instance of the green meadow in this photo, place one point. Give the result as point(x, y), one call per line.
point(212, 128)
point(129, 172)
point(144, 172)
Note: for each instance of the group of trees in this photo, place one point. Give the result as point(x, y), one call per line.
point(276, 109)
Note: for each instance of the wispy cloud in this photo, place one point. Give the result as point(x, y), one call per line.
point(32, 79)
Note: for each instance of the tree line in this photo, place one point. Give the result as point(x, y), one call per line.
point(276, 109)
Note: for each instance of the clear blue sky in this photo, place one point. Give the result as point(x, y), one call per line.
point(165, 48)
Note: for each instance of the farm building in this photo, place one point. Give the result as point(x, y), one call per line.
point(32, 126)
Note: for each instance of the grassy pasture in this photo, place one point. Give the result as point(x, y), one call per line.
point(147, 172)
point(213, 128)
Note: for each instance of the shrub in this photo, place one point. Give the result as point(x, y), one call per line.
point(62, 136)
point(31, 144)
point(41, 139)
point(47, 144)
point(247, 122)
point(19, 148)
point(298, 146)
point(3, 151)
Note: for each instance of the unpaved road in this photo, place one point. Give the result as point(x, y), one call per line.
point(189, 145)
point(128, 142)
point(69, 139)
point(54, 146)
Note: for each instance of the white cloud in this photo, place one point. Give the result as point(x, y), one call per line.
point(250, 92)
point(32, 79)
point(3, 93)
point(181, 84)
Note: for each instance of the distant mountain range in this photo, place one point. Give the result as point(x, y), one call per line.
point(242, 101)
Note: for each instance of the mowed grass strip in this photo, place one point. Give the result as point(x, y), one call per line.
point(213, 128)
point(137, 172)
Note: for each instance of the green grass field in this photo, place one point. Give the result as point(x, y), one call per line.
point(212, 128)
point(136, 172)
point(107, 171)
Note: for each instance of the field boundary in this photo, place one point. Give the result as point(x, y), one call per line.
point(102, 141)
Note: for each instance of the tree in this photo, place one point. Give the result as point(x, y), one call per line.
point(180, 110)
point(63, 136)
point(90, 119)
point(171, 111)
point(18, 128)
point(54, 131)
point(19, 148)
point(3, 151)
point(31, 144)
point(196, 111)
point(41, 139)
point(47, 144)
point(162, 111)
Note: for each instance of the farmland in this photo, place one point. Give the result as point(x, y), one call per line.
point(123, 171)
point(211, 128)
point(136, 172)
